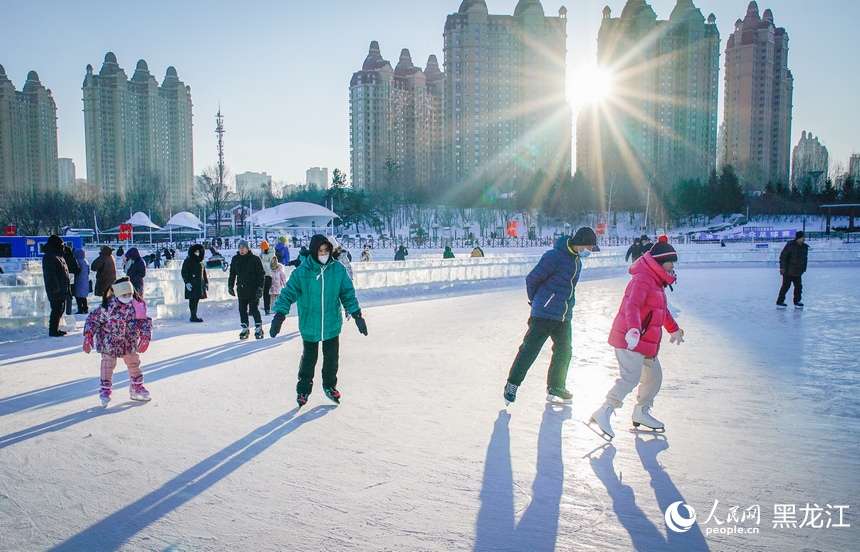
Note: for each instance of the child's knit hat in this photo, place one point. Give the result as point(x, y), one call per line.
point(662, 252)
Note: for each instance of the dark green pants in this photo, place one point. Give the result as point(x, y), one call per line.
point(540, 329)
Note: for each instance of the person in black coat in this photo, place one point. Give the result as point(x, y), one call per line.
point(792, 265)
point(136, 269)
point(247, 277)
point(634, 250)
point(74, 269)
point(401, 253)
point(57, 281)
point(195, 278)
point(646, 245)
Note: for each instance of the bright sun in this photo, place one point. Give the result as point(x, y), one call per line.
point(589, 85)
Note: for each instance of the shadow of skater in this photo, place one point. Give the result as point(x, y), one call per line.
point(667, 494)
point(113, 532)
point(495, 525)
point(643, 534)
point(64, 422)
point(180, 364)
point(538, 528)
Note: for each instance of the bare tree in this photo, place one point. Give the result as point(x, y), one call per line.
point(213, 192)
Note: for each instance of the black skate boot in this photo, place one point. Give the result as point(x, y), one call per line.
point(559, 395)
point(781, 305)
point(510, 393)
point(258, 332)
point(332, 394)
point(798, 305)
point(243, 335)
point(302, 399)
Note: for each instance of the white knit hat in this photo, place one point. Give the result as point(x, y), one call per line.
point(122, 288)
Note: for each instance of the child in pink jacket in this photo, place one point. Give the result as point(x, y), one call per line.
point(119, 328)
point(636, 335)
point(279, 279)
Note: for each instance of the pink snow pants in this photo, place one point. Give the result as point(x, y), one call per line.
point(636, 369)
point(132, 362)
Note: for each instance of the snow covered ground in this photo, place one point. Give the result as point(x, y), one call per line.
point(762, 406)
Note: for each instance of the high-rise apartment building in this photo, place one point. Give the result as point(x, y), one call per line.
point(317, 177)
point(67, 172)
point(395, 122)
point(660, 124)
point(756, 131)
point(253, 182)
point(28, 137)
point(505, 103)
point(809, 163)
point(138, 131)
point(854, 166)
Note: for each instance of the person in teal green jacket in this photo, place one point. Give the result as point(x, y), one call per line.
point(320, 285)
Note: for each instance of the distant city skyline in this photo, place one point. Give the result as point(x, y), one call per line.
point(281, 73)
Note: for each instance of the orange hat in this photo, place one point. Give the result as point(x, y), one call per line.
point(264, 245)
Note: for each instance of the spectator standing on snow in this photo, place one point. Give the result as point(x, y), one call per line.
point(266, 256)
point(401, 253)
point(477, 252)
point(56, 276)
point(792, 265)
point(120, 328)
point(551, 287)
point(366, 257)
point(320, 287)
point(82, 281)
point(636, 335)
point(135, 269)
point(634, 251)
point(105, 268)
point(246, 281)
point(196, 280)
point(447, 254)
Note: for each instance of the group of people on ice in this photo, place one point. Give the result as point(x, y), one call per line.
point(321, 286)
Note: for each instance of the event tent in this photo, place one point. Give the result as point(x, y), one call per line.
point(184, 220)
point(140, 219)
point(297, 214)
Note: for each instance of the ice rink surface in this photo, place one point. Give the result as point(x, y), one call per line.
point(762, 409)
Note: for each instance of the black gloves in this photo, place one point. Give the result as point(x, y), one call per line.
point(259, 293)
point(359, 322)
point(277, 321)
point(232, 292)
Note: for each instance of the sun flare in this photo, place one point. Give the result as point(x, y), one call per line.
point(590, 85)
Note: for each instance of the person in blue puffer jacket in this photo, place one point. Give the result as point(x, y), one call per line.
point(551, 287)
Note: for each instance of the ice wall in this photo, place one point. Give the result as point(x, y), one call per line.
point(23, 301)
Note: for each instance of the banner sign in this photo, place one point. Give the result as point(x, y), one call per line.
point(747, 235)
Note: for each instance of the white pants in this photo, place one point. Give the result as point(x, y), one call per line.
point(636, 369)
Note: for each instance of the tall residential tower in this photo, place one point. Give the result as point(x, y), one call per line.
point(138, 131)
point(660, 124)
point(505, 101)
point(756, 131)
point(28, 137)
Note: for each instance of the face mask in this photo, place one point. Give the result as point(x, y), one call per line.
point(324, 259)
point(125, 300)
point(584, 253)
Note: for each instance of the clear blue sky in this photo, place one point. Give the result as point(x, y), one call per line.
point(281, 68)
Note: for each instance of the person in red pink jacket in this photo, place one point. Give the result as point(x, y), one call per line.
point(120, 328)
point(636, 335)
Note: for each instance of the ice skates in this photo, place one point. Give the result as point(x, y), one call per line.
point(559, 395)
point(600, 424)
point(510, 393)
point(302, 399)
point(258, 331)
point(136, 390)
point(243, 335)
point(644, 422)
point(104, 392)
point(333, 394)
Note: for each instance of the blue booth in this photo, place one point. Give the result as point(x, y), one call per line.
point(31, 246)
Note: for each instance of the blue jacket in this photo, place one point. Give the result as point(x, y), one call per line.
point(551, 285)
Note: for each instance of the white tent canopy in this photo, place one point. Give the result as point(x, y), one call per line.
point(140, 219)
point(297, 214)
point(184, 220)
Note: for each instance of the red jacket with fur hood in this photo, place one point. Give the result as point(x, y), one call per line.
point(644, 307)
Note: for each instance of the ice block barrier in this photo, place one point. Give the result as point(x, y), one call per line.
point(23, 301)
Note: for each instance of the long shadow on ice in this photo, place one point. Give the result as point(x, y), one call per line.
point(538, 528)
point(667, 494)
point(115, 530)
point(63, 422)
point(181, 364)
point(643, 534)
